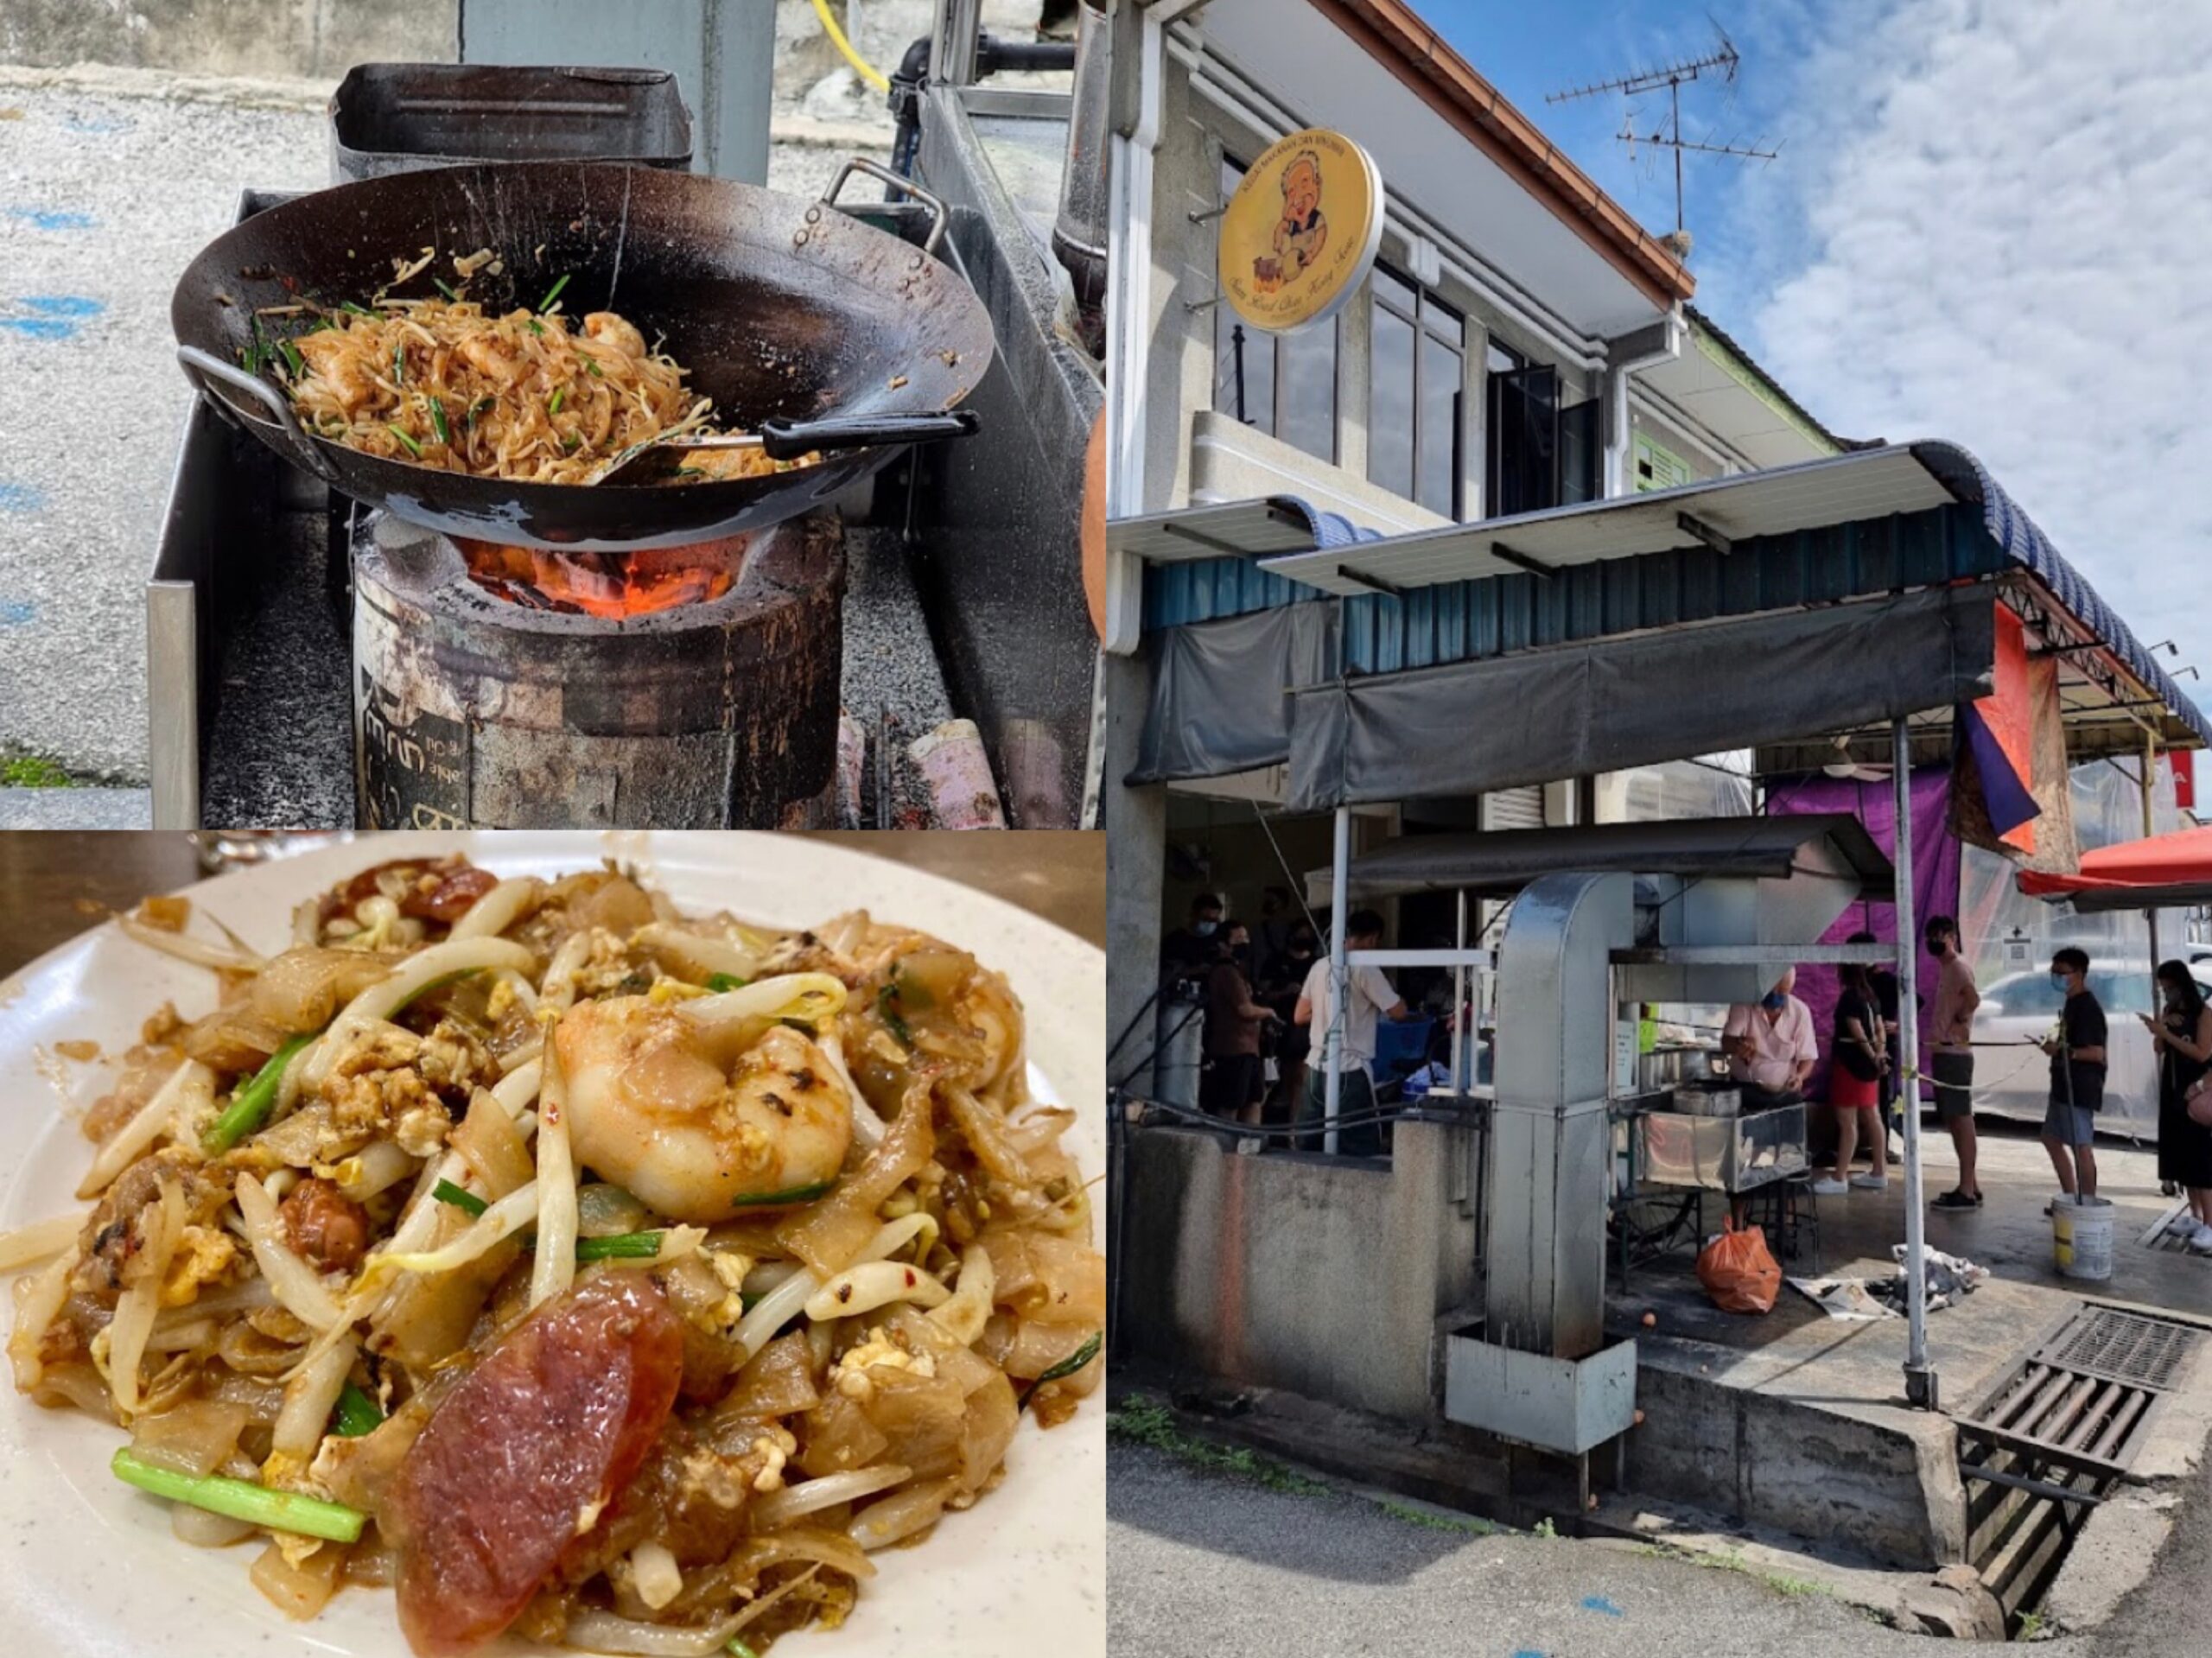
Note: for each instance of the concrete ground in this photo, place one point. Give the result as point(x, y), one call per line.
point(1214, 1566)
point(111, 180)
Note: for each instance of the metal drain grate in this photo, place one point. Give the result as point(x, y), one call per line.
point(2082, 1398)
point(2123, 1346)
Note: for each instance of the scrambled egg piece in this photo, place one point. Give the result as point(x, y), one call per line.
point(204, 1255)
point(774, 1448)
point(850, 1377)
point(385, 1082)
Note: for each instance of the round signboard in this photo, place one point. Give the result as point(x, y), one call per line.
point(1300, 235)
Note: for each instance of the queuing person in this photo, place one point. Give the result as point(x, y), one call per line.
point(1232, 1083)
point(1369, 994)
point(1281, 983)
point(1887, 997)
point(2182, 1037)
point(1278, 920)
point(1950, 1056)
point(1189, 950)
point(1772, 1045)
point(1861, 1056)
point(2076, 1048)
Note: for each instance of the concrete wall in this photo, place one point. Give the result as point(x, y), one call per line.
point(316, 39)
point(1325, 1278)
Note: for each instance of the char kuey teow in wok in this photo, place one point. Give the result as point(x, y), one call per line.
point(569, 1265)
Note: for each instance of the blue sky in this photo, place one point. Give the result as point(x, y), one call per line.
point(1991, 222)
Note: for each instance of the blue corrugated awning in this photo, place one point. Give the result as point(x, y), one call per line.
point(1873, 521)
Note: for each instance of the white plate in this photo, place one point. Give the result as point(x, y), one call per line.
point(88, 1566)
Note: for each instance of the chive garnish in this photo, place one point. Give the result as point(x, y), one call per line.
point(554, 406)
point(438, 422)
point(406, 442)
point(552, 293)
point(356, 1414)
point(718, 982)
point(439, 283)
point(468, 1202)
point(249, 1106)
point(785, 1198)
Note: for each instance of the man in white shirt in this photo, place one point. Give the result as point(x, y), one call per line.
point(1369, 993)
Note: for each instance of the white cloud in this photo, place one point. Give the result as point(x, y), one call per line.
point(2001, 235)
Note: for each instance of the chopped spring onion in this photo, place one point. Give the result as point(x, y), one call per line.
point(553, 407)
point(789, 1196)
point(478, 408)
point(623, 1246)
point(249, 1106)
point(356, 1414)
point(439, 282)
point(552, 293)
point(259, 1505)
point(358, 310)
point(468, 1202)
point(535, 326)
point(405, 441)
point(591, 365)
point(438, 422)
point(1071, 1364)
point(718, 982)
point(399, 366)
point(739, 1650)
point(893, 1020)
point(293, 360)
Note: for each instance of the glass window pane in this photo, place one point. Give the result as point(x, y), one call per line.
point(1390, 405)
point(1395, 290)
point(1502, 360)
point(1238, 346)
point(1443, 322)
point(1438, 469)
point(1307, 396)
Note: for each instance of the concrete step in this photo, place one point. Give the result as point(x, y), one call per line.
point(76, 808)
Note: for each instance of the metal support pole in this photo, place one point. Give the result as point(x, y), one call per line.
point(2150, 772)
point(1459, 999)
point(1920, 1383)
point(1333, 1039)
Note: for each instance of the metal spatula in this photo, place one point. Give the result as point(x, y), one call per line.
point(661, 462)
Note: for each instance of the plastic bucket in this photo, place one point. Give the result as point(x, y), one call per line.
point(2081, 1238)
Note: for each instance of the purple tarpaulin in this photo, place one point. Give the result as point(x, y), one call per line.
point(1934, 879)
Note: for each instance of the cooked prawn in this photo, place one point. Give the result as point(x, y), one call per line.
point(659, 1103)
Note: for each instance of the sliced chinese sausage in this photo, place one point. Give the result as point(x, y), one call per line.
point(520, 1457)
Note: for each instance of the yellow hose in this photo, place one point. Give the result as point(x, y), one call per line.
point(862, 66)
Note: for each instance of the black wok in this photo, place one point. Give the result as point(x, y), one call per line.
point(786, 311)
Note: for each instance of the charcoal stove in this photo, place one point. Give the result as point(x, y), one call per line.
point(316, 664)
point(684, 687)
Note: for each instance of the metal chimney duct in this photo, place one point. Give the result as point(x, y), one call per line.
point(1550, 1150)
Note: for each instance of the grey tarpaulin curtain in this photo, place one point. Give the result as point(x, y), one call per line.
point(1220, 691)
point(1579, 710)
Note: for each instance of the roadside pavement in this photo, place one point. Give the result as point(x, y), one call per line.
point(1206, 1564)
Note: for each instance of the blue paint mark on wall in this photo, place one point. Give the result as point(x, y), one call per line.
point(16, 613)
point(1599, 1603)
point(38, 327)
point(20, 498)
point(95, 124)
point(47, 218)
point(63, 305)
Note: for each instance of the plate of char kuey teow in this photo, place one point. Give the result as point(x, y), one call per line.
point(660, 1244)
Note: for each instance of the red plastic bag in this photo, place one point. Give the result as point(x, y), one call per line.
point(1738, 1271)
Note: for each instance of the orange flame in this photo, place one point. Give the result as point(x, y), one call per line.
point(614, 586)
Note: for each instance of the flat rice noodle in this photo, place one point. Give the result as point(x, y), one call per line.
point(362, 1472)
point(301, 990)
point(986, 1431)
point(490, 1144)
point(552, 1422)
point(301, 1140)
point(815, 1545)
point(302, 1590)
point(1048, 1276)
point(428, 1316)
point(920, 1419)
point(778, 1381)
point(75, 1385)
point(261, 1401)
point(1026, 1348)
point(985, 1132)
point(920, 1333)
point(839, 1437)
point(827, 1235)
point(195, 1437)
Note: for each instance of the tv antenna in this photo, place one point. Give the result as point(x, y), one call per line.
point(1719, 64)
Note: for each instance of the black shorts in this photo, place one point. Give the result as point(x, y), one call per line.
point(1232, 1081)
point(1953, 1074)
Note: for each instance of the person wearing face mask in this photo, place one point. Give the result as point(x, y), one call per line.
point(1230, 1086)
point(2182, 1037)
point(1188, 951)
point(2076, 1048)
point(1950, 1056)
point(1771, 1045)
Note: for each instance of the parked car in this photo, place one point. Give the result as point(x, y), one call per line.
point(2013, 1079)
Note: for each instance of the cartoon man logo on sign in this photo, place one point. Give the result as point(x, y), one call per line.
point(1301, 232)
